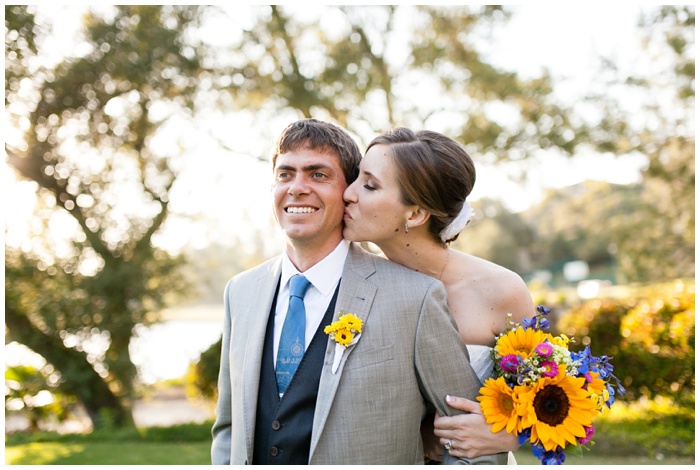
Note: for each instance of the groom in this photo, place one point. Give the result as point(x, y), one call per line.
point(281, 398)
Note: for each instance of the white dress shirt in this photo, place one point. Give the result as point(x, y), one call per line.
point(324, 277)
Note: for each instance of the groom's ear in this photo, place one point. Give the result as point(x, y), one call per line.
point(417, 217)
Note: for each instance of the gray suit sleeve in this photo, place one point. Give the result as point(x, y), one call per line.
point(442, 363)
point(221, 431)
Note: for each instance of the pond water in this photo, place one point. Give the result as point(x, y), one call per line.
point(160, 352)
point(165, 350)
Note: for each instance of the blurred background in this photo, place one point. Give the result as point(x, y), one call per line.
point(137, 181)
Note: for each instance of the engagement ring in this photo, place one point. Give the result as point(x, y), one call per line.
point(448, 446)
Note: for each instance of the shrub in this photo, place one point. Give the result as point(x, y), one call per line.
point(654, 428)
point(188, 432)
point(202, 376)
point(650, 334)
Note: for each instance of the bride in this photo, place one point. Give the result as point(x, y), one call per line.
point(410, 200)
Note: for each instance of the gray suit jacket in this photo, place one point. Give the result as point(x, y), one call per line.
point(409, 357)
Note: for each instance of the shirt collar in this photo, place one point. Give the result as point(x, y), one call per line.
point(324, 275)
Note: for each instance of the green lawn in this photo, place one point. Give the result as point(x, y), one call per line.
point(525, 457)
point(657, 432)
point(108, 453)
point(197, 453)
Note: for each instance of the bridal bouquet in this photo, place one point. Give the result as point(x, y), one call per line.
point(543, 392)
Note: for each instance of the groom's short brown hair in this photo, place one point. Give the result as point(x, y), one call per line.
point(319, 135)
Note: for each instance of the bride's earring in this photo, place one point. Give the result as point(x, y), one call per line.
point(405, 226)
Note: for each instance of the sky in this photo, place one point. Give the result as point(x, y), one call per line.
point(230, 195)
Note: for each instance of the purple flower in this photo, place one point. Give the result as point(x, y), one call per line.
point(590, 430)
point(544, 349)
point(551, 369)
point(542, 310)
point(549, 457)
point(509, 363)
point(556, 457)
point(538, 322)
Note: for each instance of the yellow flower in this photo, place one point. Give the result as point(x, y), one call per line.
point(498, 403)
point(596, 384)
point(351, 322)
point(343, 336)
point(520, 342)
point(597, 390)
point(344, 330)
point(561, 340)
point(560, 410)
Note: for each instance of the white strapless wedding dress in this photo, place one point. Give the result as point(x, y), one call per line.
point(480, 359)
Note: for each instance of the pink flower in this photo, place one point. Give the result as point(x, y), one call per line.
point(590, 430)
point(509, 363)
point(544, 349)
point(551, 368)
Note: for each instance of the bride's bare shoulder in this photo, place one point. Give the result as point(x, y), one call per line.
point(505, 290)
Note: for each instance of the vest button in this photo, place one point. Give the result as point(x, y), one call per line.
point(276, 425)
point(274, 451)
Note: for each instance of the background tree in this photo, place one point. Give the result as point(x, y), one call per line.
point(581, 222)
point(92, 149)
point(627, 233)
point(498, 235)
point(651, 111)
point(25, 388)
point(359, 66)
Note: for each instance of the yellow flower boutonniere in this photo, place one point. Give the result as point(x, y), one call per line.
point(345, 332)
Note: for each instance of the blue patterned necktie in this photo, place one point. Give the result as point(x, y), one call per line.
point(291, 346)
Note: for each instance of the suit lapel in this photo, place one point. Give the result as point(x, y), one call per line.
point(261, 304)
point(355, 296)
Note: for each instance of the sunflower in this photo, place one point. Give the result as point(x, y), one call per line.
point(520, 342)
point(561, 410)
point(351, 322)
point(343, 336)
point(499, 405)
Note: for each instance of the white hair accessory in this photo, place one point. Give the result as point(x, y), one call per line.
point(458, 223)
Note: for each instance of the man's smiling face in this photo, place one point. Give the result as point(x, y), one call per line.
point(308, 197)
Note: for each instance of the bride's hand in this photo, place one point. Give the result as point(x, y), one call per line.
point(469, 434)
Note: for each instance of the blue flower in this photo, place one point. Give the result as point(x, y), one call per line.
point(588, 362)
point(549, 457)
point(530, 322)
point(524, 436)
point(538, 322)
point(556, 457)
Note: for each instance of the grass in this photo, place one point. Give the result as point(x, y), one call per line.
point(525, 457)
point(197, 453)
point(648, 432)
point(108, 453)
point(183, 444)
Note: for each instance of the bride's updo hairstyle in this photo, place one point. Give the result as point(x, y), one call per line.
point(433, 172)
